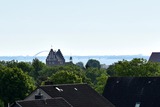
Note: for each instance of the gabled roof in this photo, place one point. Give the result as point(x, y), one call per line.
point(55, 102)
point(59, 53)
point(129, 91)
point(52, 55)
point(155, 57)
point(78, 95)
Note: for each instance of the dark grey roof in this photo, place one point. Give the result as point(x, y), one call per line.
point(155, 57)
point(78, 95)
point(55, 58)
point(55, 102)
point(59, 53)
point(52, 55)
point(129, 91)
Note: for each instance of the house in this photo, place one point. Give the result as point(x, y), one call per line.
point(54, 102)
point(133, 91)
point(155, 57)
point(77, 95)
point(55, 58)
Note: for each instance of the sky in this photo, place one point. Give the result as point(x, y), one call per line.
point(79, 27)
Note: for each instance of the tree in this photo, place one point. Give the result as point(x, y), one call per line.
point(14, 84)
point(80, 64)
point(37, 66)
point(98, 78)
point(93, 73)
point(92, 63)
point(1, 103)
point(25, 66)
point(10, 64)
point(101, 82)
point(65, 77)
point(136, 67)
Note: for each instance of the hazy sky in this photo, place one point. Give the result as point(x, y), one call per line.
point(79, 27)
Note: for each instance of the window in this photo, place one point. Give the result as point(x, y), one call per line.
point(137, 104)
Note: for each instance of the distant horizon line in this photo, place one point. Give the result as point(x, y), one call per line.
point(71, 55)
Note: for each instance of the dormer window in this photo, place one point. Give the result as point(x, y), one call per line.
point(137, 104)
point(39, 95)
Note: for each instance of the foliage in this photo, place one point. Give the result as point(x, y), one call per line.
point(10, 64)
point(101, 82)
point(98, 78)
point(92, 63)
point(25, 66)
point(71, 69)
point(80, 64)
point(65, 77)
point(1, 103)
point(137, 67)
point(15, 84)
point(37, 66)
point(47, 71)
point(93, 73)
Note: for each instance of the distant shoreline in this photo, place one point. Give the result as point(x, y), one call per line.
point(105, 59)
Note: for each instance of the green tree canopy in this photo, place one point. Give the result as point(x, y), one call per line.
point(65, 77)
point(1, 103)
point(98, 78)
point(137, 67)
point(25, 66)
point(80, 64)
point(37, 66)
point(92, 63)
point(93, 73)
point(101, 82)
point(14, 84)
point(10, 64)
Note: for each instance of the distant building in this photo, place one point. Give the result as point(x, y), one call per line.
point(155, 57)
point(133, 91)
point(55, 58)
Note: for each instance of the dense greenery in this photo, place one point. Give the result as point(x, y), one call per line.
point(1, 103)
point(18, 79)
point(14, 84)
point(65, 77)
point(92, 63)
point(136, 68)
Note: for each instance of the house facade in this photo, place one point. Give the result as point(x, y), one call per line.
point(55, 58)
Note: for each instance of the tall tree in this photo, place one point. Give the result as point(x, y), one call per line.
point(37, 66)
point(14, 84)
point(92, 63)
point(80, 64)
point(1, 103)
point(101, 82)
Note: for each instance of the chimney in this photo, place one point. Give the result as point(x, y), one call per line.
point(39, 95)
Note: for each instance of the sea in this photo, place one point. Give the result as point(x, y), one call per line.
point(107, 60)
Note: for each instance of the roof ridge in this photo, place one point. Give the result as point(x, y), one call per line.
point(63, 99)
point(41, 99)
point(64, 84)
